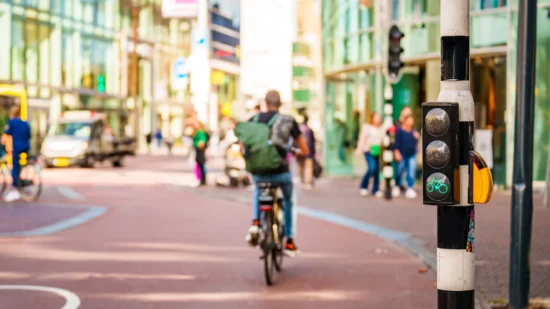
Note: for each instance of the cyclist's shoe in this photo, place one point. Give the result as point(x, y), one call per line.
point(364, 192)
point(253, 235)
point(410, 193)
point(291, 250)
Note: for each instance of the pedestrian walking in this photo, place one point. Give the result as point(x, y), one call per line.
point(158, 137)
point(169, 144)
point(200, 143)
point(405, 149)
point(370, 145)
point(306, 163)
point(149, 140)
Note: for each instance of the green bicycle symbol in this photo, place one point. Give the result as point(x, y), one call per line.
point(437, 185)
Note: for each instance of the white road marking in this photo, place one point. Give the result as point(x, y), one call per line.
point(69, 193)
point(72, 301)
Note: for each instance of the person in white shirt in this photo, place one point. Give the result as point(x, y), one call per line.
point(370, 145)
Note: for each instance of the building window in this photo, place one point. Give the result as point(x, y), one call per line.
point(29, 3)
point(57, 7)
point(44, 62)
point(86, 81)
point(87, 11)
point(68, 7)
point(17, 50)
point(66, 58)
point(487, 4)
point(99, 13)
point(394, 10)
point(31, 51)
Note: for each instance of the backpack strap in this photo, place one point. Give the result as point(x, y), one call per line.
point(273, 119)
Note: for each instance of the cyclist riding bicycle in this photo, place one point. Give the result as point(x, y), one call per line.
point(283, 129)
point(20, 133)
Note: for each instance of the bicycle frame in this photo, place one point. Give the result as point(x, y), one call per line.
point(269, 203)
point(272, 227)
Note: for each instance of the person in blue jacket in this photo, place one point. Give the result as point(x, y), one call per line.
point(20, 133)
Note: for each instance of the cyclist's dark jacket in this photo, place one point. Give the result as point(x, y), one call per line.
point(284, 128)
point(21, 134)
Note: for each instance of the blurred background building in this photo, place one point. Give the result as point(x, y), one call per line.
point(268, 29)
point(76, 54)
point(147, 67)
point(307, 70)
point(354, 37)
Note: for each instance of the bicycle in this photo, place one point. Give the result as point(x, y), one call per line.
point(30, 179)
point(438, 185)
point(271, 230)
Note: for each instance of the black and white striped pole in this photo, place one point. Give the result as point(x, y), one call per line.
point(387, 155)
point(447, 138)
point(393, 75)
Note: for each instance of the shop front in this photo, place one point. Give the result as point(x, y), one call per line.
point(354, 44)
point(350, 100)
point(60, 51)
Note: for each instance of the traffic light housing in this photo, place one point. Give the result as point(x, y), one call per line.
point(440, 158)
point(394, 52)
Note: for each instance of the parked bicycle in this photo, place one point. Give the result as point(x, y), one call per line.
point(272, 230)
point(30, 180)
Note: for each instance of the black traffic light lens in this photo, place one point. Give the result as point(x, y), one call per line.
point(437, 186)
point(438, 154)
point(437, 122)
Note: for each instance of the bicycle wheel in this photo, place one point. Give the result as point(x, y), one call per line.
point(30, 183)
point(269, 252)
point(280, 247)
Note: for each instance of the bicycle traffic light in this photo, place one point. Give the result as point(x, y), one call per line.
point(441, 179)
point(394, 52)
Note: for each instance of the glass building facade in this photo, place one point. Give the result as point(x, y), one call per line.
point(354, 39)
point(74, 54)
point(44, 38)
point(307, 79)
point(225, 28)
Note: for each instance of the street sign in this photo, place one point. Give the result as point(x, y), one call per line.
point(199, 39)
point(180, 74)
point(440, 156)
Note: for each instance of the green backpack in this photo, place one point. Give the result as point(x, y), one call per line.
point(260, 154)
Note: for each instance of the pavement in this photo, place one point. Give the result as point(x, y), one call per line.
point(154, 243)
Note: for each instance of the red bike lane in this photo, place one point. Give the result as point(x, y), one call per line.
point(159, 247)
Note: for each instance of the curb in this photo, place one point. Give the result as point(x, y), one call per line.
point(404, 240)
